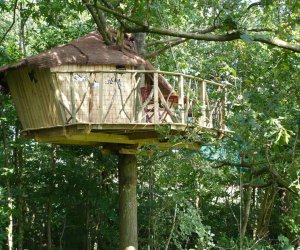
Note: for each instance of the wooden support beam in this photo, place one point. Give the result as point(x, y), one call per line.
point(181, 99)
point(156, 104)
point(128, 151)
point(202, 96)
point(127, 202)
point(223, 109)
point(187, 105)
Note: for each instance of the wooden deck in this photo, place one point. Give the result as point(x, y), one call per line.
point(131, 136)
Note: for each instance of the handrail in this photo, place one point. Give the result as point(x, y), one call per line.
point(158, 108)
point(57, 70)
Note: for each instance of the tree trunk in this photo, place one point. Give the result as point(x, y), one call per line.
point(49, 218)
point(9, 194)
point(20, 200)
point(265, 212)
point(246, 211)
point(50, 197)
point(127, 202)
point(140, 43)
point(10, 225)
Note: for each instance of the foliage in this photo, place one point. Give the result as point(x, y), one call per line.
point(187, 199)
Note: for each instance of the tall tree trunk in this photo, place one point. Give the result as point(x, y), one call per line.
point(10, 225)
point(49, 218)
point(22, 39)
point(265, 212)
point(19, 200)
point(246, 211)
point(9, 195)
point(50, 199)
point(127, 202)
point(140, 43)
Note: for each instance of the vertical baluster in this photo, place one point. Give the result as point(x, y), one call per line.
point(202, 89)
point(73, 108)
point(188, 89)
point(223, 109)
point(156, 104)
point(181, 99)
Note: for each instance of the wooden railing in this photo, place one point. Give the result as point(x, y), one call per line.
point(191, 100)
point(143, 97)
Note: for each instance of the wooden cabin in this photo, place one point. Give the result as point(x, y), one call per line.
point(86, 92)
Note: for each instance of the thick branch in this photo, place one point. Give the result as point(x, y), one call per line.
point(177, 40)
point(233, 164)
point(188, 35)
point(110, 6)
point(276, 176)
point(142, 27)
point(12, 24)
point(268, 184)
point(168, 46)
point(260, 171)
point(117, 14)
point(207, 30)
point(100, 22)
point(260, 30)
point(169, 40)
point(278, 43)
point(254, 4)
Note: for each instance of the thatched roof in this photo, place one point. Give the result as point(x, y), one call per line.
point(86, 50)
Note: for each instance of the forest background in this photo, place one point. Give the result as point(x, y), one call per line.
point(238, 192)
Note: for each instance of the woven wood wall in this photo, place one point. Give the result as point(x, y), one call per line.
point(34, 98)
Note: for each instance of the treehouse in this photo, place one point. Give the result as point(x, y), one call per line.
point(86, 92)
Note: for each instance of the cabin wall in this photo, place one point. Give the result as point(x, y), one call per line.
point(34, 97)
point(89, 96)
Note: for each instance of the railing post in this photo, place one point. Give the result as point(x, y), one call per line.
point(187, 105)
point(137, 82)
point(181, 98)
point(73, 108)
point(156, 104)
point(223, 109)
point(202, 119)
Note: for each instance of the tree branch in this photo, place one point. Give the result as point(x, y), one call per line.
point(278, 43)
point(260, 30)
point(276, 176)
point(168, 46)
point(169, 40)
point(268, 184)
point(100, 22)
point(117, 14)
point(141, 27)
point(204, 31)
point(233, 164)
point(110, 6)
point(12, 24)
point(254, 4)
point(260, 171)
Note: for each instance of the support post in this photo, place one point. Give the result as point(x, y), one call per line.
point(181, 99)
point(156, 104)
point(202, 119)
point(223, 109)
point(127, 202)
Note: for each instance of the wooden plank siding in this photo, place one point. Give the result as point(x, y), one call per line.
point(34, 98)
point(111, 99)
point(96, 97)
